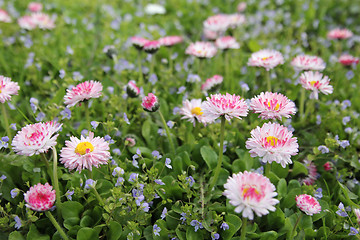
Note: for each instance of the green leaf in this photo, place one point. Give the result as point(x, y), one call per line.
point(279, 170)
point(34, 234)
point(281, 188)
point(86, 221)
point(271, 235)
point(115, 230)
point(70, 222)
point(181, 235)
point(209, 156)
point(86, 234)
point(234, 223)
point(16, 236)
point(289, 199)
point(192, 235)
point(177, 164)
point(298, 168)
point(253, 45)
point(71, 209)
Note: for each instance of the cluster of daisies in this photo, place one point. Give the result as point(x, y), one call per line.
point(36, 19)
point(152, 46)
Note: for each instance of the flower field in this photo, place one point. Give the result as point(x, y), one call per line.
point(188, 119)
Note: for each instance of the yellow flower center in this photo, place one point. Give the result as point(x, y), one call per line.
point(84, 147)
point(251, 192)
point(197, 111)
point(313, 83)
point(276, 107)
point(272, 140)
point(0, 88)
point(265, 58)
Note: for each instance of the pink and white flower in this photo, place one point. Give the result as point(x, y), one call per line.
point(4, 16)
point(266, 58)
point(217, 23)
point(339, 33)
point(307, 62)
point(84, 153)
point(227, 42)
point(36, 138)
point(43, 21)
point(27, 22)
point(272, 142)
point(138, 42)
point(151, 46)
point(315, 82)
point(272, 105)
point(312, 173)
point(228, 105)
point(192, 111)
point(169, 41)
point(210, 35)
point(357, 214)
point(348, 60)
point(201, 49)
point(7, 88)
point(40, 197)
point(83, 91)
point(236, 20)
point(150, 103)
point(241, 7)
point(251, 192)
point(35, 7)
point(308, 204)
point(132, 89)
point(212, 84)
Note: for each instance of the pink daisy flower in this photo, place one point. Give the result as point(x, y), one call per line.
point(210, 35)
point(170, 40)
point(43, 21)
point(251, 192)
point(192, 111)
point(227, 105)
point(201, 49)
point(236, 20)
point(316, 82)
point(40, 197)
point(241, 7)
point(4, 16)
point(152, 46)
point(306, 62)
point(83, 91)
point(84, 153)
point(357, 214)
point(348, 60)
point(138, 42)
point(272, 142)
point(339, 34)
point(7, 88)
point(312, 173)
point(266, 58)
point(35, 7)
point(150, 103)
point(36, 138)
point(27, 22)
point(308, 204)
point(272, 105)
point(212, 84)
point(132, 89)
point(217, 23)
point(227, 42)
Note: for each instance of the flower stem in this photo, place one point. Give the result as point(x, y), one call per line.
point(56, 225)
point(243, 228)
point(87, 115)
point(295, 226)
point(56, 183)
point(302, 103)
point(268, 81)
point(227, 71)
point(171, 63)
point(167, 133)
point(6, 121)
point(141, 78)
point(98, 197)
point(152, 64)
point(218, 167)
point(267, 169)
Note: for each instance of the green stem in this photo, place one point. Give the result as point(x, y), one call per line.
point(56, 225)
point(302, 103)
point(152, 64)
point(243, 228)
point(171, 63)
point(97, 195)
point(141, 77)
point(87, 115)
point(200, 68)
point(218, 167)
point(227, 71)
point(56, 183)
point(6, 121)
point(295, 226)
point(167, 133)
point(267, 169)
point(49, 171)
point(268, 81)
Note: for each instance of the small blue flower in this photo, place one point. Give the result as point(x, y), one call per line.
point(190, 180)
point(40, 116)
point(17, 222)
point(13, 126)
point(183, 217)
point(118, 171)
point(345, 120)
point(176, 110)
point(116, 151)
point(353, 231)
point(133, 177)
point(167, 163)
point(156, 230)
point(135, 163)
point(62, 73)
point(138, 152)
point(14, 192)
point(2, 178)
point(318, 119)
point(323, 149)
point(90, 183)
point(119, 181)
point(69, 194)
point(341, 212)
point(224, 226)
point(94, 124)
point(162, 132)
point(195, 223)
point(126, 119)
point(344, 143)
point(159, 181)
point(164, 212)
point(153, 79)
point(145, 207)
point(156, 154)
point(215, 236)
point(318, 193)
point(170, 124)
point(66, 113)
